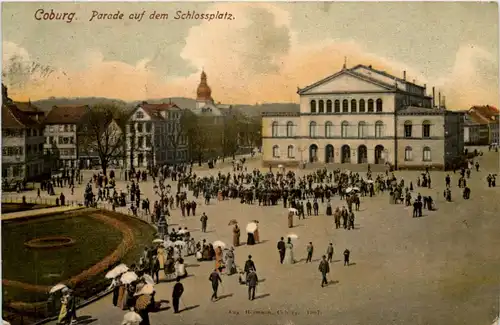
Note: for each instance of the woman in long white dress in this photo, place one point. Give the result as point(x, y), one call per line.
point(288, 252)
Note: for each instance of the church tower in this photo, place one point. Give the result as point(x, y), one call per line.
point(203, 93)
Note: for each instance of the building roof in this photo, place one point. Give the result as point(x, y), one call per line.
point(66, 114)
point(13, 118)
point(385, 74)
point(478, 118)
point(484, 114)
point(154, 110)
point(416, 110)
point(27, 107)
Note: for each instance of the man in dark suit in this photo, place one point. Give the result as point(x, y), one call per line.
point(249, 265)
point(252, 281)
point(324, 268)
point(176, 294)
point(281, 249)
point(215, 279)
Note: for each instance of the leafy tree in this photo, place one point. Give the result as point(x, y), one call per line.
point(99, 134)
point(230, 139)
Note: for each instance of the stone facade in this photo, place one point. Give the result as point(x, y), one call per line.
point(358, 116)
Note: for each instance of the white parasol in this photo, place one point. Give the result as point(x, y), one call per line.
point(179, 243)
point(58, 287)
point(147, 289)
point(348, 190)
point(293, 210)
point(292, 236)
point(131, 318)
point(251, 227)
point(219, 243)
point(128, 277)
point(182, 231)
point(280, 166)
point(369, 181)
point(157, 241)
point(148, 278)
point(169, 243)
point(116, 271)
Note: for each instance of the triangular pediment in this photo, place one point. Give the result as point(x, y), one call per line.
point(345, 81)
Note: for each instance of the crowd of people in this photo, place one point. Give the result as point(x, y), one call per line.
point(303, 197)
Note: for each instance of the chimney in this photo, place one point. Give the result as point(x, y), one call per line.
point(404, 75)
point(439, 100)
point(433, 97)
point(413, 80)
point(444, 101)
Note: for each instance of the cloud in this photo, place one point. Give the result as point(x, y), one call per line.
point(253, 58)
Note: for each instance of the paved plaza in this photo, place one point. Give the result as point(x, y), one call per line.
point(438, 269)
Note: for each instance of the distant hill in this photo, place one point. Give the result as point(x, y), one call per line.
point(47, 104)
point(182, 102)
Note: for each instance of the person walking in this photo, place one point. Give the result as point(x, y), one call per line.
point(215, 279)
point(324, 268)
point(176, 294)
point(281, 249)
point(347, 254)
point(204, 220)
point(252, 281)
point(310, 249)
point(329, 253)
point(249, 265)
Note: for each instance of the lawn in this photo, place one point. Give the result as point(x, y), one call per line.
point(94, 241)
point(16, 207)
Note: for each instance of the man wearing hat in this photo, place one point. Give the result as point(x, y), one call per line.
point(249, 265)
point(176, 294)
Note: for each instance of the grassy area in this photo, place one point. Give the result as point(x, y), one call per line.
point(94, 241)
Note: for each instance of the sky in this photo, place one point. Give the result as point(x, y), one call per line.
point(261, 55)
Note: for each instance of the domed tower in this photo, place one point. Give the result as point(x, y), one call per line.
point(203, 93)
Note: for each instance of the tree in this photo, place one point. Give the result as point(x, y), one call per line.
point(230, 135)
point(177, 133)
point(102, 136)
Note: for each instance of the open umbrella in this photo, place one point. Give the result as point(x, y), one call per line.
point(148, 278)
point(179, 243)
point(182, 231)
point(131, 318)
point(251, 227)
point(147, 289)
point(219, 243)
point(116, 271)
point(369, 181)
point(128, 277)
point(348, 190)
point(57, 287)
point(292, 236)
point(169, 243)
point(232, 222)
point(157, 241)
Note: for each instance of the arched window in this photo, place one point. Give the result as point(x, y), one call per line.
point(353, 106)
point(427, 154)
point(379, 129)
point(329, 130)
point(345, 106)
point(362, 130)
point(337, 106)
point(408, 154)
point(275, 129)
point(426, 129)
point(313, 106)
point(370, 105)
point(361, 105)
point(321, 106)
point(408, 129)
point(276, 151)
point(313, 129)
point(344, 129)
point(290, 152)
point(379, 105)
point(289, 129)
point(328, 106)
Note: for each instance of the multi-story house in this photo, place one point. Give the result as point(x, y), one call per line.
point(22, 145)
point(61, 143)
point(154, 136)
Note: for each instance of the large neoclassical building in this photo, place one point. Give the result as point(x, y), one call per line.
point(362, 115)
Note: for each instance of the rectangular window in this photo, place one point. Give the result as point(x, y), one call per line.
point(426, 131)
point(139, 127)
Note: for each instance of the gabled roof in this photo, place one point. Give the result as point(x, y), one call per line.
point(13, 118)
point(489, 113)
point(66, 114)
point(26, 107)
point(351, 73)
point(478, 118)
point(154, 110)
point(385, 74)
